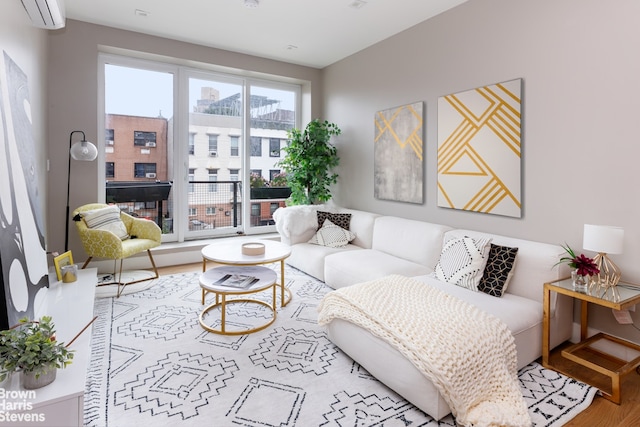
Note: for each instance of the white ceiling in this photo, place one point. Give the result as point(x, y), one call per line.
point(314, 33)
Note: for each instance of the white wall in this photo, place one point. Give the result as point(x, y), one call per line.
point(27, 47)
point(581, 70)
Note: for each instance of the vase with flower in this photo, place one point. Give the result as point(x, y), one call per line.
point(582, 266)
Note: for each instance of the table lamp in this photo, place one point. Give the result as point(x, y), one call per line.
point(605, 240)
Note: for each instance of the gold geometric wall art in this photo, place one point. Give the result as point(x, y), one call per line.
point(398, 153)
point(479, 149)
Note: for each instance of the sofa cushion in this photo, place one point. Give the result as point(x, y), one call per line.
point(362, 224)
point(106, 219)
point(498, 270)
point(415, 241)
point(462, 262)
point(331, 235)
point(347, 268)
point(534, 266)
point(340, 219)
point(310, 258)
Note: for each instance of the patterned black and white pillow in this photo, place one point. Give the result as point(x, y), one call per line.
point(498, 270)
point(462, 262)
point(340, 219)
point(332, 236)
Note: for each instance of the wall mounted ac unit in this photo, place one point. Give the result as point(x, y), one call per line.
point(150, 175)
point(213, 153)
point(47, 14)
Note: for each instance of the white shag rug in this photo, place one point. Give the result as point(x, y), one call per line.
point(153, 364)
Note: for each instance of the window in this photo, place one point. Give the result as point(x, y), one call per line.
point(274, 147)
point(192, 143)
point(213, 143)
point(110, 169)
point(273, 207)
point(140, 170)
point(149, 205)
point(256, 172)
point(255, 209)
point(192, 177)
point(273, 173)
point(235, 144)
point(109, 137)
point(256, 146)
point(213, 177)
point(200, 111)
point(144, 139)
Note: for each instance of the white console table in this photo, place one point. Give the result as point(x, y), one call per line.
point(61, 403)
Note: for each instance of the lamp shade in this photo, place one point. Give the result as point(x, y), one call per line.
point(603, 239)
point(83, 150)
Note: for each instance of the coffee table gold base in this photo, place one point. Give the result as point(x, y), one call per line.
point(223, 324)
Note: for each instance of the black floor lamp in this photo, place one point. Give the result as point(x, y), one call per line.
point(80, 150)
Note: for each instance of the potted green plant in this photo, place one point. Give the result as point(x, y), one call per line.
point(31, 348)
point(308, 162)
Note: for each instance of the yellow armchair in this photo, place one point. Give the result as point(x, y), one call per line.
point(143, 236)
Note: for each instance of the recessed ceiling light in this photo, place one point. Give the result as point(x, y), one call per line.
point(357, 4)
point(141, 12)
point(251, 3)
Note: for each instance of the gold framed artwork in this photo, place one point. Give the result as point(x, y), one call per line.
point(398, 153)
point(62, 261)
point(479, 149)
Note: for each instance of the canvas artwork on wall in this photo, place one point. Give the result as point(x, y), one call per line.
point(479, 149)
point(398, 154)
point(23, 260)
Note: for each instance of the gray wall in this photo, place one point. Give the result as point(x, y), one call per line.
point(73, 89)
point(581, 84)
point(27, 46)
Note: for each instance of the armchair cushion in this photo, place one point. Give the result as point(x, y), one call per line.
point(107, 219)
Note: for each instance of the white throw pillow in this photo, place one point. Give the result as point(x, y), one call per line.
point(332, 236)
point(106, 219)
point(462, 262)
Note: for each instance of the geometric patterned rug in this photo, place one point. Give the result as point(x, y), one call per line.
point(153, 364)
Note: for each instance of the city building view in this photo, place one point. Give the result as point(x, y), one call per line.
point(139, 163)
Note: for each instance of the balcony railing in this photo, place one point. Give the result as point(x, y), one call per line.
point(211, 205)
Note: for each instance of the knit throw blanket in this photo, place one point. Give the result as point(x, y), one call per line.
point(469, 355)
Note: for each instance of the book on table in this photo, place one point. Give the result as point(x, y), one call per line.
point(239, 281)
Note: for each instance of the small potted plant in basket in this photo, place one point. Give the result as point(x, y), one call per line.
point(581, 267)
point(31, 348)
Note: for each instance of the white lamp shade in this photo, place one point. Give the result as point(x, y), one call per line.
point(84, 150)
point(603, 239)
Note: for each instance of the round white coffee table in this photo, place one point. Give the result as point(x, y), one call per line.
point(227, 281)
point(230, 253)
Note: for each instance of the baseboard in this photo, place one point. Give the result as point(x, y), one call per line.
point(172, 253)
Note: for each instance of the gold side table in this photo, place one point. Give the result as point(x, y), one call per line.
point(230, 253)
point(214, 280)
point(588, 353)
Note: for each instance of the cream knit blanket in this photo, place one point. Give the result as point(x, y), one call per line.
point(469, 355)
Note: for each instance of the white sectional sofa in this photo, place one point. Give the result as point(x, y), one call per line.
point(386, 245)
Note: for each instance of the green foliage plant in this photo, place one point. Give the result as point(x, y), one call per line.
point(308, 162)
point(31, 346)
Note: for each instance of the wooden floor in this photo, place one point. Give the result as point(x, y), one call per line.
point(601, 413)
